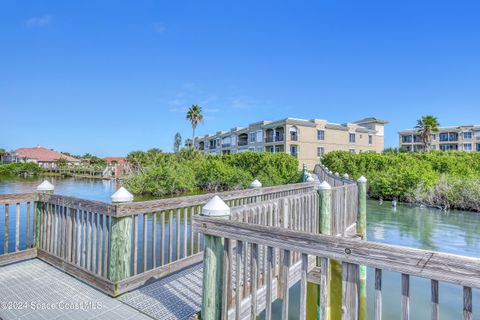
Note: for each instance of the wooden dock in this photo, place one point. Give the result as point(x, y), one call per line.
point(148, 255)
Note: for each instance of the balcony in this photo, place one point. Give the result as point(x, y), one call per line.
point(243, 143)
point(293, 137)
point(226, 145)
point(276, 138)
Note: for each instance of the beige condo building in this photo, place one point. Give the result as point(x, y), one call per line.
point(307, 140)
point(458, 138)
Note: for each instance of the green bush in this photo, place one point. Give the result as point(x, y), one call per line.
point(444, 179)
point(190, 170)
point(20, 168)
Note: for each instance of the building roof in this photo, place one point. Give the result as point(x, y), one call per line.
point(42, 154)
point(370, 120)
point(115, 159)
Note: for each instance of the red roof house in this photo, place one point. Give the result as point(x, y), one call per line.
point(42, 156)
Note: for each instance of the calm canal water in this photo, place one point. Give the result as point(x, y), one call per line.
point(456, 232)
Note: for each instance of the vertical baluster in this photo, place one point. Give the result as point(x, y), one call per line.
point(101, 252)
point(170, 236)
point(323, 290)
point(135, 243)
point(254, 279)
point(435, 306)
point(5, 236)
point(55, 216)
point(269, 280)
point(63, 234)
point(238, 278)
point(108, 221)
point(192, 213)
point(162, 239)
point(28, 230)
point(350, 291)
point(285, 280)
point(89, 239)
point(17, 227)
point(69, 234)
point(185, 231)
point(303, 287)
point(177, 233)
point(467, 303)
point(405, 296)
point(154, 240)
point(84, 238)
point(94, 241)
point(227, 278)
point(378, 294)
point(145, 242)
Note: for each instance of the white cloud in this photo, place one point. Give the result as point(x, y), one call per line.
point(39, 21)
point(159, 28)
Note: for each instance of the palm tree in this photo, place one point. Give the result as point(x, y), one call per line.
point(427, 125)
point(194, 114)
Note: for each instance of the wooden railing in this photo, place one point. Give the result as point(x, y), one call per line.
point(116, 247)
point(334, 180)
point(262, 289)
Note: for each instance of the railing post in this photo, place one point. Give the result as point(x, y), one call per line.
point(44, 187)
point(213, 254)
point(255, 185)
point(120, 240)
point(362, 231)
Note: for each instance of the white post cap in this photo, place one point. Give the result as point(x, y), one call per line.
point(324, 186)
point(215, 207)
point(330, 172)
point(255, 184)
point(310, 179)
point(45, 186)
point(337, 174)
point(362, 179)
point(346, 176)
point(122, 195)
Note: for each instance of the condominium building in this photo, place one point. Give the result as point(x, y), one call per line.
point(461, 138)
point(308, 140)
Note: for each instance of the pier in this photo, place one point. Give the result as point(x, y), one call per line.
point(175, 258)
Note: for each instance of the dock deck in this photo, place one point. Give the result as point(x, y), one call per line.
point(33, 289)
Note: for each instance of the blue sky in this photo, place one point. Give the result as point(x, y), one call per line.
point(109, 77)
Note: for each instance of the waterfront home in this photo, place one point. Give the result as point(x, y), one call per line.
point(46, 158)
point(308, 140)
point(457, 138)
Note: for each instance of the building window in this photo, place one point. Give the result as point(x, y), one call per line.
point(478, 146)
point(467, 135)
point(467, 146)
point(407, 139)
point(370, 139)
point(351, 150)
point(434, 136)
point(320, 151)
point(320, 134)
point(352, 137)
point(293, 134)
point(448, 147)
point(293, 150)
point(253, 137)
point(477, 134)
point(449, 136)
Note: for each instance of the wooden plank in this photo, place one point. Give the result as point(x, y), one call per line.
point(467, 303)
point(18, 256)
point(185, 231)
point(254, 280)
point(101, 252)
point(303, 288)
point(145, 242)
point(28, 244)
point(285, 282)
point(461, 270)
point(162, 238)
point(17, 227)
point(106, 255)
point(153, 275)
point(378, 294)
point(170, 236)
point(405, 296)
point(350, 291)
point(70, 234)
point(84, 238)
point(94, 242)
point(177, 233)
point(16, 197)
point(89, 240)
point(135, 244)
point(238, 278)
point(5, 235)
point(435, 305)
point(226, 278)
point(77, 203)
point(323, 293)
point(269, 280)
point(154, 240)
